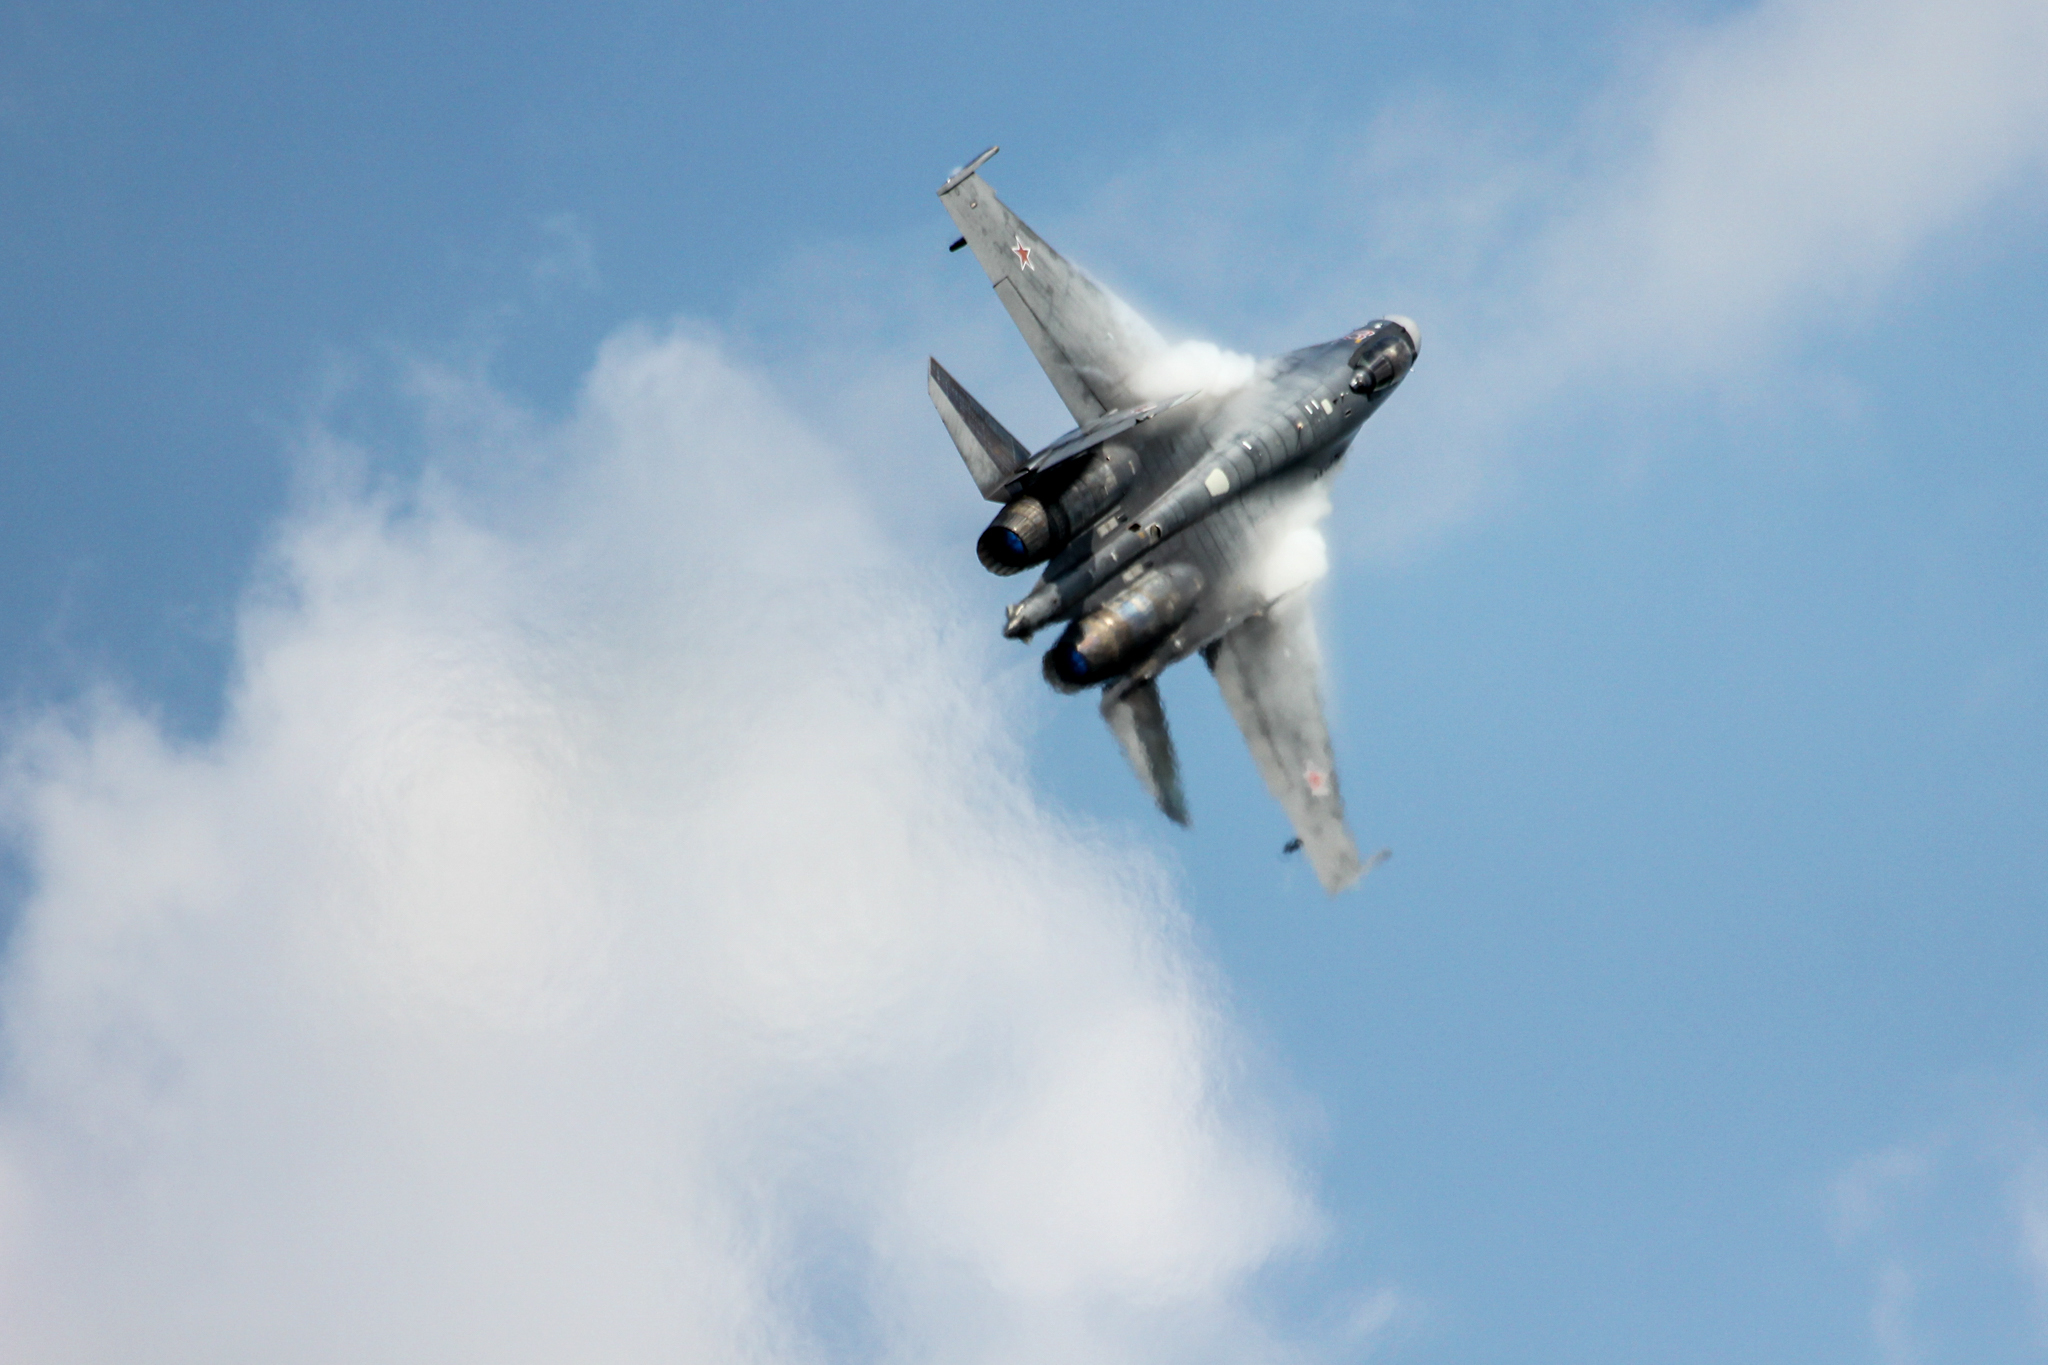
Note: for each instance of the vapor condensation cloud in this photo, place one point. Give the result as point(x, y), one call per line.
point(610, 925)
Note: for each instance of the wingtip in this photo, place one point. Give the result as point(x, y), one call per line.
point(1366, 868)
point(1343, 878)
point(954, 180)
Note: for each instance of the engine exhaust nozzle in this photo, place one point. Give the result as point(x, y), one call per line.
point(1021, 535)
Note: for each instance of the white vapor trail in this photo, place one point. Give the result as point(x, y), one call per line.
point(609, 925)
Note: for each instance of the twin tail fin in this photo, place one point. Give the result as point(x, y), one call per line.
point(994, 457)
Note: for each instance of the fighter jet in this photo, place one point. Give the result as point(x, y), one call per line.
point(1170, 522)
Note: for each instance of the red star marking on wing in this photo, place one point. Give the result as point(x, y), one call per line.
point(1022, 253)
point(1317, 780)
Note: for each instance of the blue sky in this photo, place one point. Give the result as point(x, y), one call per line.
point(1686, 643)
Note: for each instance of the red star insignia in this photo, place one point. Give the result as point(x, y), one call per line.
point(1022, 253)
point(1317, 780)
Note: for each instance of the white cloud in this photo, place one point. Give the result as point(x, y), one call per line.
point(1745, 186)
point(1891, 1315)
point(1793, 158)
point(1868, 1192)
point(1953, 1230)
point(610, 925)
point(1380, 1320)
point(1872, 1198)
point(2030, 1216)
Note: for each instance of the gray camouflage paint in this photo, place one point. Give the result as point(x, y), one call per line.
point(1149, 516)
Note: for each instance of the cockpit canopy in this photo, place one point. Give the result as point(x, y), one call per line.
point(1383, 354)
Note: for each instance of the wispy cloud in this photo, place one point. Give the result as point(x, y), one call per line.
point(1872, 1198)
point(2030, 1216)
point(610, 925)
point(1953, 1230)
point(1379, 1320)
point(1776, 167)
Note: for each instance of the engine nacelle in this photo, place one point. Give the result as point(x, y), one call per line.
point(1122, 631)
point(1034, 528)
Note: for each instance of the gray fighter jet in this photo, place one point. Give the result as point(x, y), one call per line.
point(1170, 522)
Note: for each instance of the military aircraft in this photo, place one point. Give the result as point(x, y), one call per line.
point(1171, 519)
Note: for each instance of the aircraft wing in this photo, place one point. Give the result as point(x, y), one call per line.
point(1089, 341)
point(1268, 667)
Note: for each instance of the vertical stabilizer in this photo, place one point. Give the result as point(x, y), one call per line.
point(992, 454)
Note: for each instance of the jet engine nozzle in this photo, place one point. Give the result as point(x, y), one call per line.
point(1021, 535)
point(1119, 633)
point(1034, 528)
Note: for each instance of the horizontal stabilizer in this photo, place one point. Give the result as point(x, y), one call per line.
point(1139, 723)
point(994, 457)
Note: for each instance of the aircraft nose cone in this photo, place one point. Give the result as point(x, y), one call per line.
point(1408, 325)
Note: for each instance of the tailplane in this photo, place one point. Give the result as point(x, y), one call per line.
point(1139, 723)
